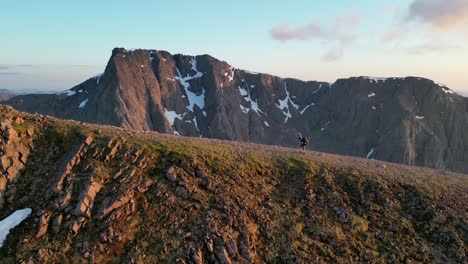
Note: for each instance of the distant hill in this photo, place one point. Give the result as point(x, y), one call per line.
point(81, 193)
point(407, 120)
point(6, 94)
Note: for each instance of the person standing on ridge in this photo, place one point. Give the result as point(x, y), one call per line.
point(304, 142)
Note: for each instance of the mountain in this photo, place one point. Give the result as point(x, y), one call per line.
point(6, 94)
point(81, 193)
point(406, 120)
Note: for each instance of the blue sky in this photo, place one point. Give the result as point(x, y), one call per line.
point(57, 44)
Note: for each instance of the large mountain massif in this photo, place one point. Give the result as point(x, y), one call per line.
point(406, 120)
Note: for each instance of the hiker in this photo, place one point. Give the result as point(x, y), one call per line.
point(304, 142)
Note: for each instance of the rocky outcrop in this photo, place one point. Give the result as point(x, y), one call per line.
point(406, 120)
point(14, 152)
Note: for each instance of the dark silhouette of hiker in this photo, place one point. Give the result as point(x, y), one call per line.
point(304, 142)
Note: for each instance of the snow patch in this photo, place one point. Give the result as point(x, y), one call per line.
point(371, 95)
point(67, 92)
point(194, 120)
point(369, 154)
point(11, 222)
point(266, 123)
point(376, 79)
point(284, 105)
point(445, 89)
point(325, 126)
point(373, 107)
point(151, 55)
point(172, 115)
point(316, 91)
point(419, 117)
point(98, 78)
point(231, 76)
point(83, 104)
point(193, 98)
point(253, 104)
point(244, 109)
point(305, 108)
point(251, 72)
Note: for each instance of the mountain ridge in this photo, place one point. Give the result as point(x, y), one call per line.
point(101, 194)
point(408, 120)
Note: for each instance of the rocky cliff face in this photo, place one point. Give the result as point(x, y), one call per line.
point(97, 194)
point(407, 120)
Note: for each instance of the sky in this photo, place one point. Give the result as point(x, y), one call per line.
point(55, 45)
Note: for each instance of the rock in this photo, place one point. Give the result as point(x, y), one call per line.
point(113, 151)
point(209, 245)
point(222, 255)
point(111, 203)
point(43, 223)
point(42, 253)
point(119, 173)
point(19, 120)
point(89, 140)
point(87, 199)
point(196, 256)
point(56, 223)
point(10, 133)
point(5, 162)
point(75, 227)
point(106, 235)
point(182, 192)
point(30, 131)
point(244, 252)
point(171, 175)
point(231, 248)
point(202, 174)
point(144, 185)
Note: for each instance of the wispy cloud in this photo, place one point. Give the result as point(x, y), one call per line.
point(9, 73)
point(337, 33)
point(440, 14)
point(334, 54)
point(284, 32)
point(8, 70)
point(431, 47)
point(394, 35)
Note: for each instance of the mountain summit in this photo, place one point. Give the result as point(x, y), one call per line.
point(406, 120)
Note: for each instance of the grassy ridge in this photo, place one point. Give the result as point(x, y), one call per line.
point(234, 202)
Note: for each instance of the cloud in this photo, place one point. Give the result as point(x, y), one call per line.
point(9, 73)
point(388, 9)
point(431, 47)
point(347, 21)
point(334, 55)
point(394, 35)
point(285, 33)
point(338, 33)
point(440, 14)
